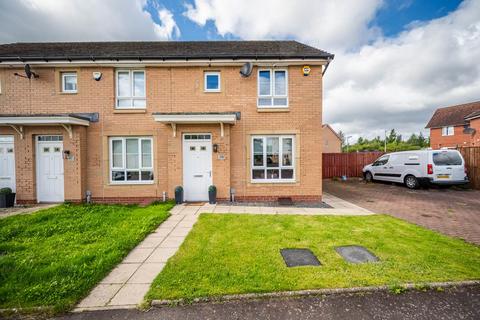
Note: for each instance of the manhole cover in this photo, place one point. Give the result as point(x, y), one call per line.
point(299, 257)
point(356, 254)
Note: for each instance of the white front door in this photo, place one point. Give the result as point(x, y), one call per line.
point(50, 186)
point(197, 166)
point(7, 163)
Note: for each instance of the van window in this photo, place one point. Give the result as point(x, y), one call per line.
point(381, 161)
point(447, 159)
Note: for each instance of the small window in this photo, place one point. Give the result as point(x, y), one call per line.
point(448, 131)
point(212, 81)
point(56, 149)
point(203, 148)
point(131, 160)
point(192, 148)
point(130, 89)
point(45, 149)
point(69, 82)
point(272, 88)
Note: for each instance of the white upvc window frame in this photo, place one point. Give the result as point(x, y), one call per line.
point(124, 160)
point(132, 96)
point(280, 162)
point(212, 73)
point(69, 74)
point(272, 95)
point(448, 131)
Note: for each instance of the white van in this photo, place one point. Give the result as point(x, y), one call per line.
point(421, 167)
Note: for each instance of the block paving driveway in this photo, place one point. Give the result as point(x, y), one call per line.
point(452, 211)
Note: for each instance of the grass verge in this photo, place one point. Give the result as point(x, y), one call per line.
point(230, 254)
point(56, 256)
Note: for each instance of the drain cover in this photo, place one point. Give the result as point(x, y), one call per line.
point(356, 254)
point(299, 257)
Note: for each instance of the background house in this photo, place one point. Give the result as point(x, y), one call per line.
point(455, 126)
point(332, 142)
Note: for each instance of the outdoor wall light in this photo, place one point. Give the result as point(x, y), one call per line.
point(215, 148)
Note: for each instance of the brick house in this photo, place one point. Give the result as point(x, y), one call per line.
point(129, 121)
point(332, 142)
point(455, 126)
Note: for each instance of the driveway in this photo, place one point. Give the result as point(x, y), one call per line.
point(454, 303)
point(453, 211)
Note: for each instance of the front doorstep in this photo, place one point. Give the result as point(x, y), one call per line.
point(313, 292)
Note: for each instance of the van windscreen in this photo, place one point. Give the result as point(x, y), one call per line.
point(447, 159)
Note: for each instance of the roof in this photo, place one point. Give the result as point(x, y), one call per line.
point(454, 115)
point(160, 50)
point(331, 129)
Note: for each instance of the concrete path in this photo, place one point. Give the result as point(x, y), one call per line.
point(339, 207)
point(127, 284)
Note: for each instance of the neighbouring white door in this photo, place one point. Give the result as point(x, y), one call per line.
point(7, 163)
point(197, 166)
point(50, 186)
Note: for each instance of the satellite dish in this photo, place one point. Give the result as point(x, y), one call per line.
point(246, 69)
point(29, 73)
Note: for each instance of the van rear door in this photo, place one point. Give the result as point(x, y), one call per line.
point(448, 166)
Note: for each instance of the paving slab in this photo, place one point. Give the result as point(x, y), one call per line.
point(121, 273)
point(161, 255)
point(146, 273)
point(138, 255)
point(130, 294)
point(100, 295)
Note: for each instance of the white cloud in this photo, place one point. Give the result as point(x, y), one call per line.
point(168, 29)
point(82, 20)
point(330, 24)
point(399, 82)
point(374, 83)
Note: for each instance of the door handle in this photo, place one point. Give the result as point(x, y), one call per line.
point(210, 173)
point(390, 167)
point(198, 175)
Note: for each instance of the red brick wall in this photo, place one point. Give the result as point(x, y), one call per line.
point(169, 89)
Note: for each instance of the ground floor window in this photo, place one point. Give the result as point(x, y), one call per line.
point(273, 158)
point(131, 160)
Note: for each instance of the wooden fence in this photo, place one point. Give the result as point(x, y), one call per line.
point(348, 164)
point(472, 161)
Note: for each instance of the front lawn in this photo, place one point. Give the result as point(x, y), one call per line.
point(229, 254)
point(54, 257)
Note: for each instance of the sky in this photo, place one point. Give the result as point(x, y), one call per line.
point(396, 61)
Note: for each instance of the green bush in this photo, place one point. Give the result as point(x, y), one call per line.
point(5, 191)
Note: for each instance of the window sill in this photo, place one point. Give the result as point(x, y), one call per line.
point(283, 109)
point(131, 183)
point(278, 182)
point(68, 93)
point(130, 111)
point(212, 91)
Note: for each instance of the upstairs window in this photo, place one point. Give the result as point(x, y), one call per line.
point(130, 89)
point(447, 131)
point(212, 81)
point(69, 82)
point(272, 88)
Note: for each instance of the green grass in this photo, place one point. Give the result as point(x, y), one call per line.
point(55, 256)
point(229, 254)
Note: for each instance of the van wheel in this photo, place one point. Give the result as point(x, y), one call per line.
point(411, 182)
point(368, 176)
